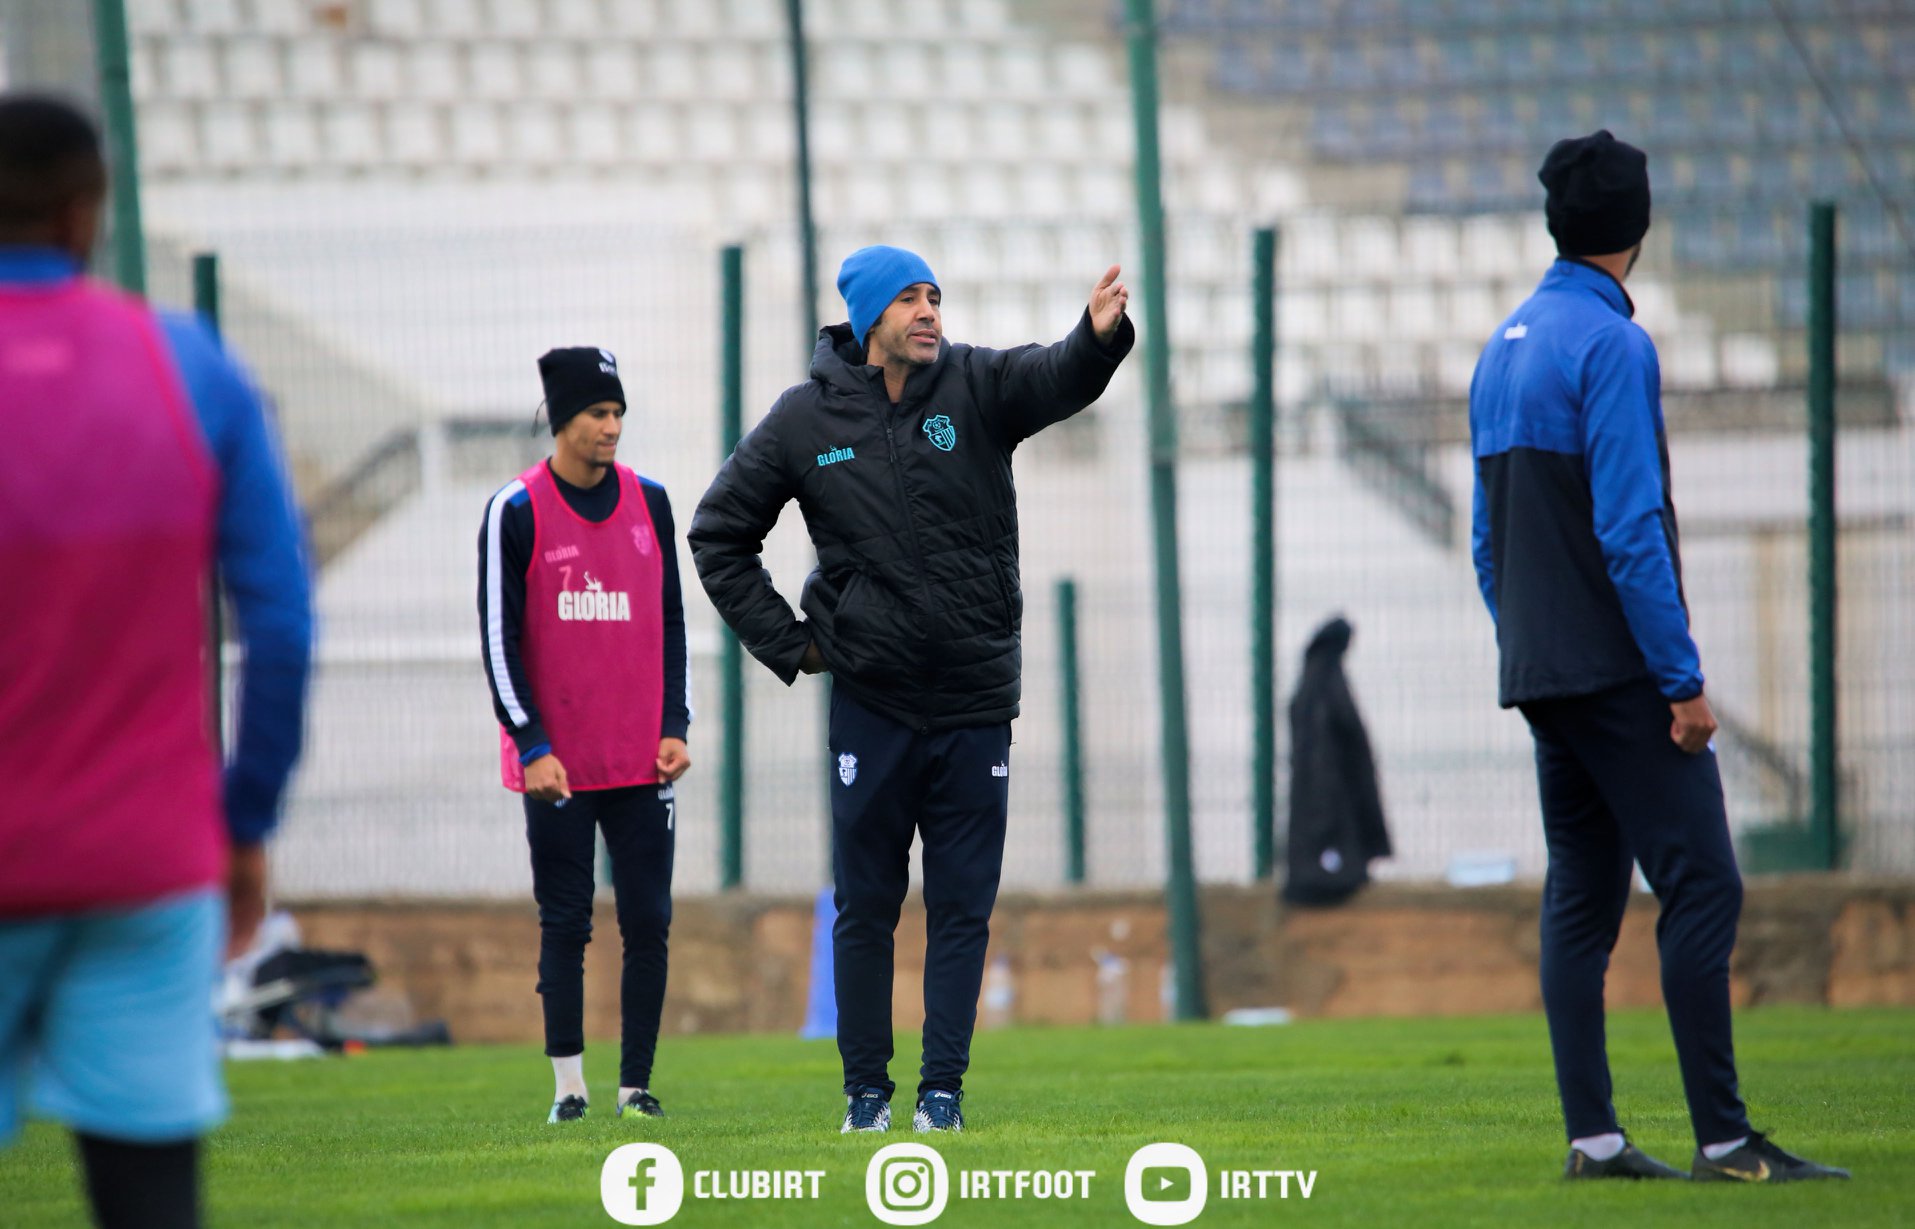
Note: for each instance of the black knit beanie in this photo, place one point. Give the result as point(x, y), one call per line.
point(1598, 195)
point(575, 377)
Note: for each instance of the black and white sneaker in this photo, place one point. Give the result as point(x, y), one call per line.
point(641, 1102)
point(939, 1110)
point(1631, 1162)
point(567, 1109)
point(866, 1109)
point(1758, 1160)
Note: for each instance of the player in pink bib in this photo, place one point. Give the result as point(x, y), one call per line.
point(580, 607)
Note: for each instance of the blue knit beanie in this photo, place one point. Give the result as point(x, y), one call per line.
point(871, 277)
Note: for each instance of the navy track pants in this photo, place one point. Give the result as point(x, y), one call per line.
point(952, 789)
point(1616, 790)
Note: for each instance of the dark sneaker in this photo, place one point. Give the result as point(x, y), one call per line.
point(567, 1109)
point(1758, 1160)
point(1631, 1162)
point(938, 1110)
point(642, 1103)
point(866, 1109)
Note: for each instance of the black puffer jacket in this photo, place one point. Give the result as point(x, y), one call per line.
point(915, 604)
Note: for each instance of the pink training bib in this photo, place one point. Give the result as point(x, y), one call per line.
point(593, 639)
point(109, 775)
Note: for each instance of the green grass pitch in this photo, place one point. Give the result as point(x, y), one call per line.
point(1409, 1124)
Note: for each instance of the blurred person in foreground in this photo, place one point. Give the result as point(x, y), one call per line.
point(1575, 547)
point(583, 629)
point(138, 459)
point(898, 450)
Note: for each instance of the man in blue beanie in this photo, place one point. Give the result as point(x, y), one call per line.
point(1576, 552)
point(898, 450)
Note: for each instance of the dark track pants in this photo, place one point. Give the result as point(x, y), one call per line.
point(942, 786)
point(639, 828)
point(1615, 789)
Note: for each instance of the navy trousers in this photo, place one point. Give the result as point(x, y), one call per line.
point(640, 831)
point(951, 788)
point(1616, 790)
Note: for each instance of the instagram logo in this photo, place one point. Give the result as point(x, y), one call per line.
point(906, 1184)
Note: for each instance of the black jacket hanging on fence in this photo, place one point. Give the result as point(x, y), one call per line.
point(1336, 812)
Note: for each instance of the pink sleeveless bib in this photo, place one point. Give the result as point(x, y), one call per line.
point(593, 642)
point(109, 774)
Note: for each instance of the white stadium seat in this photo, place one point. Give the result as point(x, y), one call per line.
point(253, 68)
point(168, 140)
point(214, 16)
point(152, 17)
point(396, 18)
point(350, 134)
point(376, 72)
point(313, 68)
point(281, 17)
point(415, 135)
point(292, 138)
point(612, 72)
point(672, 71)
point(653, 134)
point(493, 71)
point(229, 138)
point(712, 135)
point(189, 69)
point(594, 135)
point(535, 136)
point(477, 139)
point(579, 18)
point(515, 19)
point(461, 19)
point(552, 70)
point(436, 70)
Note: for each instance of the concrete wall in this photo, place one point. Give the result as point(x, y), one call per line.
point(743, 964)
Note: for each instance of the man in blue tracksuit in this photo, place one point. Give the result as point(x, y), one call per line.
point(1575, 549)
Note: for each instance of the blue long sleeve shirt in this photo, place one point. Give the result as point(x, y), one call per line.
point(1574, 537)
point(260, 552)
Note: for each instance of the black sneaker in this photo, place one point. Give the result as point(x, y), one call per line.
point(567, 1109)
point(641, 1102)
point(1758, 1160)
point(1631, 1162)
point(938, 1110)
point(866, 1109)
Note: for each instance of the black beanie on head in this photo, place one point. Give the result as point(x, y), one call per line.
point(575, 377)
point(1598, 195)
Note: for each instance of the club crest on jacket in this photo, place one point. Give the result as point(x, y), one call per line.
point(940, 431)
point(847, 768)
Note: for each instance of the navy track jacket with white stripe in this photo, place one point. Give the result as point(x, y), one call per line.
point(1575, 529)
point(507, 537)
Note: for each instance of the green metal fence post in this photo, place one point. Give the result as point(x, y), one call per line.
point(122, 143)
point(1824, 787)
point(801, 118)
point(1263, 551)
point(1073, 731)
point(1181, 888)
point(731, 659)
point(206, 303)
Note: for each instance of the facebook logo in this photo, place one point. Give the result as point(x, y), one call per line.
point(641, 1184)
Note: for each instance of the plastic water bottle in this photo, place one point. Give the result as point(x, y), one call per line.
point(1113, 987)
point(1000, 992)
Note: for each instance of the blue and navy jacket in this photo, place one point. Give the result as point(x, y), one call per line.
point(263, 563)
point(1575, 529)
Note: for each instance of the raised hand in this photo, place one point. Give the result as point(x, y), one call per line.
point(1108, 299)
